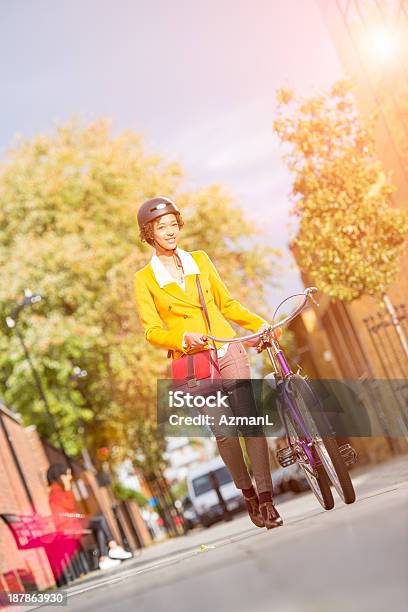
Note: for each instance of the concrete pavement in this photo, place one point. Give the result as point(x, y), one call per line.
point(353, 557)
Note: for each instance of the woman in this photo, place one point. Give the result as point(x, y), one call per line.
point(170, 311)
point(69, 522)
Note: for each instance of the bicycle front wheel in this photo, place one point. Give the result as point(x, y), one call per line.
point(329, 454)
point(325, 447)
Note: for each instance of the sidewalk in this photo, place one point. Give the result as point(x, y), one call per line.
point(368, 481)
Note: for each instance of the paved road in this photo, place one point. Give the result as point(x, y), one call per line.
point(353, 558)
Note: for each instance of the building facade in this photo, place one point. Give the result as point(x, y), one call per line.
point(24, 461)
point(359, 340)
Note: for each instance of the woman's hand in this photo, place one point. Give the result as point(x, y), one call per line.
point(254, 343)
point(194, 340)
point(277, 333)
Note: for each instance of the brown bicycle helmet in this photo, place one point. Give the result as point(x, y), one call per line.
point(151, 210)
point(154, 208)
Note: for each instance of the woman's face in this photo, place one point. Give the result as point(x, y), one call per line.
point(66, 479)
point(166, 231)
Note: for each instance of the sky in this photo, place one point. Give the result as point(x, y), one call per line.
point(197, 79)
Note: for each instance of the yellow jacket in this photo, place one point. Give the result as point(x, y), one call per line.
point(167, 312)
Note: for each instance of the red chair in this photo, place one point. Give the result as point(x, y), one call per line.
point(63, 549)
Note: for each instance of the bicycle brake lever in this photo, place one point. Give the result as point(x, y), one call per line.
point(261, 347)
point(313, 300)
point(265, 341)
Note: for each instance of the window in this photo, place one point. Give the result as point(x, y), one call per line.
point(202, 484)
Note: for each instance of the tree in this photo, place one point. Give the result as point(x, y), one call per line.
point(69, 231)
point(350, 236)
point(126, 493)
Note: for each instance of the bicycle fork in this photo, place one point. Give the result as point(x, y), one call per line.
point(301, 451)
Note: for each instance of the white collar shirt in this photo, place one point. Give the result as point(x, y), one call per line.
point(164, 277)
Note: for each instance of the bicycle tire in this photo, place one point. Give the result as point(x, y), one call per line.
point(342, 482)
point(320, 484)
point(326, 447)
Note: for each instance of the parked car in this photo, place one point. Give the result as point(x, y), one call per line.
point(203, 496)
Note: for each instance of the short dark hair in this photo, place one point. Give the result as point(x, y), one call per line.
point(55, 471)
point(146, 233)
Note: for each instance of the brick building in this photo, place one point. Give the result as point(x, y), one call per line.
point(24, 460)
point(20, 569)
point(357, 340)
point(371, 40)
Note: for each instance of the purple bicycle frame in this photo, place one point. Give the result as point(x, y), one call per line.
point(296, 416)
point(288, 404)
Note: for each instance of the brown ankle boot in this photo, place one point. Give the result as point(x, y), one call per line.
point(270, 515)
point(252, 504)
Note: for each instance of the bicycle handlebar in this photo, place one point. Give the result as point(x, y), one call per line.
point(307, 293)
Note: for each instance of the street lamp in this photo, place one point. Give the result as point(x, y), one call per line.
point(29, 298)
point(77, 374)
point(11, 322)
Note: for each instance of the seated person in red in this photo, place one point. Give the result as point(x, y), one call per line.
point(70, 523)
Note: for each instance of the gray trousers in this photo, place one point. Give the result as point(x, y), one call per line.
point(235, 365)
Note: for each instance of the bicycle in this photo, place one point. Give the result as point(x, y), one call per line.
point(310, 438)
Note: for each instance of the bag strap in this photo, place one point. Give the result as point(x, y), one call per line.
point(190, 367)
point(204, 307)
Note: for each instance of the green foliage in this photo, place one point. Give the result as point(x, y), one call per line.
point(69, 231)
point(179, 490)
point(350, 235)
point(125, 493)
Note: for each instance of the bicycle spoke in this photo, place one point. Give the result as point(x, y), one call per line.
point(315, 475)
